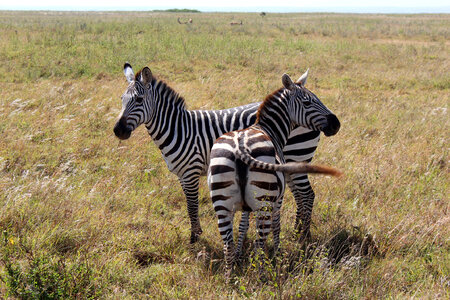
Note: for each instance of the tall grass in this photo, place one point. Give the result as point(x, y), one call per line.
point(84, 215)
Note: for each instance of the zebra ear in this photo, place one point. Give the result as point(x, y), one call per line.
point(302, 79)
point(146, 75)
point(128, 71)
point(287, 82)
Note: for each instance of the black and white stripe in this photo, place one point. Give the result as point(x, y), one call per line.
point(247, 166)
point(185, 137)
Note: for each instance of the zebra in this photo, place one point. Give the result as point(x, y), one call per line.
point(185, 138)
point(247, 167)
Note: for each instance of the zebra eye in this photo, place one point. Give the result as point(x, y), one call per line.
point(139, 99)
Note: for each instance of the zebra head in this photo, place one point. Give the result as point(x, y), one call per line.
point(307, 110)
point(135, 102)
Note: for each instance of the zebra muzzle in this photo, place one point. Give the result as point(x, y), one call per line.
point(122, 130)
point(333, 125)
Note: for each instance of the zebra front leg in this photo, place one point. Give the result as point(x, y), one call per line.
point(190, 189)
point(243, 228)
point(304, 198)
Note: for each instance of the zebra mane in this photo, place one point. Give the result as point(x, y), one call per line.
point(165, 91)
point(267, 102)
point(168, 93)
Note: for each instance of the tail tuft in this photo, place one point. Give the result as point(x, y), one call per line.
point(300, 167)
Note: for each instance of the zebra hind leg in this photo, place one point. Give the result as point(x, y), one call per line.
point(225, 222)
point(263, 228)
point(190, 189)
point(276, 228)
point(229, 257)
point(243, 228)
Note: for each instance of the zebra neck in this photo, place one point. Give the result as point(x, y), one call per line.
point(275, 122)
point(169, 115)
point(279, 140)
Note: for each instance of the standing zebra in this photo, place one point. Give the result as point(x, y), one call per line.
point(239, 181)
point(185, 138)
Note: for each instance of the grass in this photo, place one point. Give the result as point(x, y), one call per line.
point(84, 215)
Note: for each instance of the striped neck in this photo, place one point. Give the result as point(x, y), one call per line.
point(167, 110)
point(273, 118)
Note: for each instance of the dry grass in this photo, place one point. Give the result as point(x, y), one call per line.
point(84, 215)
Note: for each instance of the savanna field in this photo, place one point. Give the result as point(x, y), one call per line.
point(84, 215)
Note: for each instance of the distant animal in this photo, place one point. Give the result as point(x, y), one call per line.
point(262, 14)
point(236, 23)
point(187, 22)
point(246, 168)
point(185, 138)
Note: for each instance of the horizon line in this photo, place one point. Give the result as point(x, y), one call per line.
point(250, 9)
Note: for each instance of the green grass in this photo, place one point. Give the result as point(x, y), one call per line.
point(84, 215)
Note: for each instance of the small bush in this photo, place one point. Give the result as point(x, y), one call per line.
point(30, 276)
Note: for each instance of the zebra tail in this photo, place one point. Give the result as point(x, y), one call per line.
point(301, 167)
point(289, 168)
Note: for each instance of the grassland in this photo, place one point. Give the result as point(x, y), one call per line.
point(84, 215)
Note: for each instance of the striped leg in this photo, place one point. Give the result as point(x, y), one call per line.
point(304, 197)
point(263, 228)
point(190, 189)
point(243, 228)
point(225, 196)
point(263, 225)
point(276, 226)
point(226, 231)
